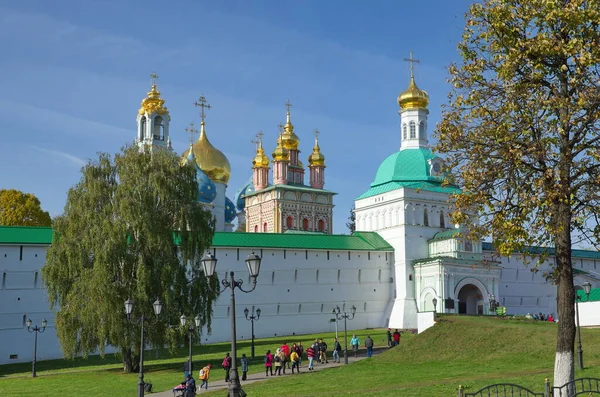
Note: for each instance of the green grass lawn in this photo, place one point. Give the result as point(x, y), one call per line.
point(465, 350)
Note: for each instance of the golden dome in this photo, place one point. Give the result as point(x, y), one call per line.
point(260, 160)
point(210, 159)
point(316, 158)
point(289, 138)
point(413, 97)
point(281, 153)
point(153, 103)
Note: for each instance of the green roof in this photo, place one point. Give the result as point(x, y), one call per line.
point(428, 186)
point(25, 235)
point(448, 234)
point(408, 168)
point(575, 253)
point(594, 295)
point(294, 187)
point(359, 241)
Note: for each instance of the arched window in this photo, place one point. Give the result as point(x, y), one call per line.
point(305, 224)
point(255, 228)
point(143, 127)
point(159, 129)
point(442, 220)
point(289, 222)
point(321, 225)
point(422, 133)
point(413, 130)
point(265, 227)
point(425, 217)
point(404, 132)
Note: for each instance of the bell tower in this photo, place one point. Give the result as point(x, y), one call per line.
point(153, 120)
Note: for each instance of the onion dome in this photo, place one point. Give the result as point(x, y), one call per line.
point(281, 153)
point(153, 103)
point(260, 160)
point(207, 192)
point(289, 139)
point(413, 97)
point(210, 160)
point(316, 158)
point(240, 201)
point(229, 211)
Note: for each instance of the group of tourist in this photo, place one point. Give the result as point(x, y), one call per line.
point(540, 317)
point(284, 358)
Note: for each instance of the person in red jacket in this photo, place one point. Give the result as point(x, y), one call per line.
point(286, 351)
point(310, 353)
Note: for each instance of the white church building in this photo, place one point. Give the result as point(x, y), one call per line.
point(405, 257)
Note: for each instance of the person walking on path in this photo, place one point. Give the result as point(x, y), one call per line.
point(396, 338)
point(337, 348)
point(323, 351)
point(389, 337)
point(354, 342)
point(227, 366)
point(369, 345)
point(279, 361)
point(300, 351)
point(268, 363)
point(244, 361)
point(310, 354)
point(295, 361)
point(286, 352)
point(203, 376)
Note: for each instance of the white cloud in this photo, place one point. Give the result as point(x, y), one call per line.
point(66, 157)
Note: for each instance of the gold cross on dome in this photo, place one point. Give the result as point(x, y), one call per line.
point(153, 77)
point(412, 62)
point(259, 135)
point(288, 105)
point(316, 132)
point(192, 131)
point(201, 103)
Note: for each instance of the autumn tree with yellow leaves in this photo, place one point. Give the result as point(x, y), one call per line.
point(21, 209)
point(521, 135)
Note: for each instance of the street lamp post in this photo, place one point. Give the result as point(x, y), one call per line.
point(587, 287)
point(35, 330)
point(434, 301)
point(128, 309)
point(191, 329)
point(209, 263)
point(338, 315)
point(252, 318)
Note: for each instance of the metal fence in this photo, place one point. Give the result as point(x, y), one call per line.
point(579, 387)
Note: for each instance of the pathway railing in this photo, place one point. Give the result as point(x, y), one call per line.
point(587, 387)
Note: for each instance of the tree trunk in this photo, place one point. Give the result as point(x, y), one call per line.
point(131, 362)
point(564, 360)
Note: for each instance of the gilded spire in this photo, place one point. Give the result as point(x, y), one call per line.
point(210, 159)
point(153, 103)
point(413, 97)
point(316, 158)
point(289, 139)
point(260, 160)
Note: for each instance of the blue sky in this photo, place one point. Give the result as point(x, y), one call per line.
point(73, 73)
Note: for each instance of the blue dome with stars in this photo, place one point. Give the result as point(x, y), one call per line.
point(240, 202)
point(207, 191)
point(229, 211)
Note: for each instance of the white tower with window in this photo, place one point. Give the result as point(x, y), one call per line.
point(153, 120)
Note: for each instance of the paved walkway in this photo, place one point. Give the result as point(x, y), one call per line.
point(217, 378)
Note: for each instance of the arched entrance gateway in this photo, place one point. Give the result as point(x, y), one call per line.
point(470, 300)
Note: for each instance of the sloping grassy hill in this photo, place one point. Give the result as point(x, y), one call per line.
point(472, 351)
